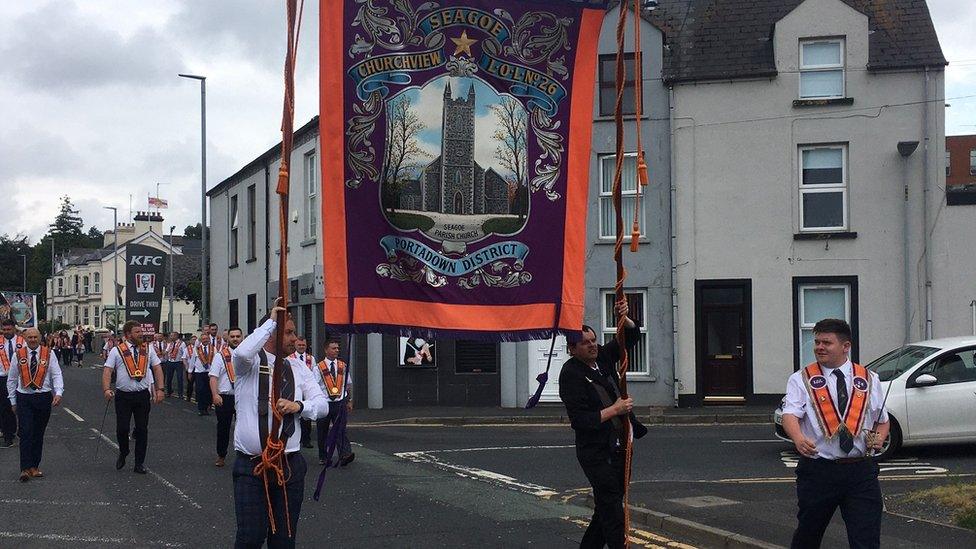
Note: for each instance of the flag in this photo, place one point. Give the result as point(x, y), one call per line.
point(158, 203)
point(455, 164)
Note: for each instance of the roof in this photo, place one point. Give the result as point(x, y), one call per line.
point(267, 157)
point(729, 39)
point(947, 342)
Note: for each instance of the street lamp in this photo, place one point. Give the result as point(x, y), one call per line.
point(203, 192)
point(115, 265)
point(171, 256)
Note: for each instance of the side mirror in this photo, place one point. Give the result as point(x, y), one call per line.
point(926, 380)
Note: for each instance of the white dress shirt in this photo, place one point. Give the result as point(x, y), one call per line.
point(246, 363)
point(52, 378)
point(10, 347)
point(798, 404)
point(122, 380)
point(345, 385)
point(219, 371)
point(196, 365)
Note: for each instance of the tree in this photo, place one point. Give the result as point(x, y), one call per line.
point(12, 275)
point(194, 231)
point(67, 222)
point(510, 133)
point(189, 292)
point(403, 151)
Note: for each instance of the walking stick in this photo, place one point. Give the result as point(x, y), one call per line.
point(100, 428)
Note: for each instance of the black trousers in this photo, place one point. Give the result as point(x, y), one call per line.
point(201, 380)
point(251, 506)
point(129, 405)
point(225, 415)
point(306, 426)
point(190, 379)
point(323, 425)
point(607, 525)
point(8, 420)
point(823, 485)
point(33, 413)
point(171, 371)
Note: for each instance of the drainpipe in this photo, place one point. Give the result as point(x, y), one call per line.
point(972, 306)
point(906, 149)
point(267, 232)
point(673, 246)
point(925, 210)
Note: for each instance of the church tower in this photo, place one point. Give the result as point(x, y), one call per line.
point(457, 177)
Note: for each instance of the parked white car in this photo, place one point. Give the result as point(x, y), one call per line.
point(933, 393)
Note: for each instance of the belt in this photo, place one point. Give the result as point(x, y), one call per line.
point(851, 460)
point(251, 457)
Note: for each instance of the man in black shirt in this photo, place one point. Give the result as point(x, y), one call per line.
point(589, 387)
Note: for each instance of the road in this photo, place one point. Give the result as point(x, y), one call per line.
point(380, 500)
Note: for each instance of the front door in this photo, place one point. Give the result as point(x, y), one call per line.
point(724, 332)
point(538, 358)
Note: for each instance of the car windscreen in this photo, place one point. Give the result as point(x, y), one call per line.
point(896, 362)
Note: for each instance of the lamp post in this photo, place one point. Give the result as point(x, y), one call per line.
point(171, 256)
point(203, 193)
point(115, 265)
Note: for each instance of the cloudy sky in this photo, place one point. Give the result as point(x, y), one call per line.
point(91, 107)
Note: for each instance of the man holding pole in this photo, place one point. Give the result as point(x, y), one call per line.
point(833, 412)
point(12, 342)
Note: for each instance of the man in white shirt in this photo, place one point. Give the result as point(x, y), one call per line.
point(335, 381)
point(11, 343)
point(301, 353)
point(172, 359)
point(200, 361)
point(222, 379)
point(301, 397)
point(136, 369)
point(833, 413)
point(187, 365)
point(29, 388)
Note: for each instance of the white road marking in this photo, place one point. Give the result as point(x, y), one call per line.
point(495, 448)
point(483, 475)
point(753, 441)
point(74, 415)
point(155, 475)
point(67, 503)
point(85, 539)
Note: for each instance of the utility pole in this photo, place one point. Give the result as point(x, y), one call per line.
point(115, 265)
point(204, 318)
point(171, 256)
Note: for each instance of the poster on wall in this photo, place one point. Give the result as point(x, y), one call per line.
point(456, 171)
point(417, 352)
point(21, 307)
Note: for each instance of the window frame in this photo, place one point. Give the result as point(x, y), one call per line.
point(851, 308)
point(972, 161)
point(607, 330)
point(804, 69)
point(85, 284)
point(825, 188)
point(252, 222)
point(85, 315)
point(930, 364)
point(96, 317)
point(608, 195)
point(96, 283)
point(611, 85)
point(310, 191)
point(948, 162)
point(234, 222)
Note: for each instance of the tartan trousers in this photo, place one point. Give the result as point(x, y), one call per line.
point(251, 507)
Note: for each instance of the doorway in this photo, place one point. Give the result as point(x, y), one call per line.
point(723, 329)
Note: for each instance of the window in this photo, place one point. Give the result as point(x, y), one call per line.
point(84, 318)
point(233, 230)
point(608, 84)
point(84, 285)
point(74, 319)
point(816, 302)
point(96, 317)
point(311, 192)
point(948, 163)
point(252, 223)
point(958, 367)
point(972, 161)
point(628, 192)
point(60, 286)
point(252, 312)
point(234, 316)
point(822, 69)
point(638, 362)
point(97, 282)
point(475, 357)
point(76, 289)
point(823, 188)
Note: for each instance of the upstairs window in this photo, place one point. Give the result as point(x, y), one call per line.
point(233, 230)
point(628, 195)
point(822, 69)
point(948, 163)
point(311, 194)
point(97, 282)
point(972, 162)
point(823, 188)
point(608, 84)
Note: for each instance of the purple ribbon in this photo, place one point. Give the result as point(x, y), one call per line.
point(336, 433)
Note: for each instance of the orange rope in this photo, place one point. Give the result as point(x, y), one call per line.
point(618, 255)
point(638, 114)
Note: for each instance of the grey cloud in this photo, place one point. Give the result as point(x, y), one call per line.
point(32, 152)
point(59, 49)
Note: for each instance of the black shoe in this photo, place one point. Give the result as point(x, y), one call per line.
point(7, 444)
point(343, 461)
point(120, 463)
point(307, 445)
point(139, 469)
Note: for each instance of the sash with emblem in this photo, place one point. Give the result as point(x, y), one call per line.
point(135, 368)
point(830, 419)
point(4, 357)
point(228, 364)
point(308, 359)
point(37, 381)
point(333, 385)
point(206, 354)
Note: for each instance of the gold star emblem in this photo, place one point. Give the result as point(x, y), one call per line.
point(463, 44)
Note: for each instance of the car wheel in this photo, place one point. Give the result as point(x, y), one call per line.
point(892, 444)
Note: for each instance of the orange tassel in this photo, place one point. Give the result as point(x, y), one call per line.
point(642, 169)
point(634, 237)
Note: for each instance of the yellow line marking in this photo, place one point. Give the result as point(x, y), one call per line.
point(641, 538)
